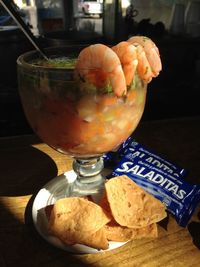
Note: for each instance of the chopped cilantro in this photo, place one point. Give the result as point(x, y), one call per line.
point(62, 62)
point(146, 70)
point(145, 38)
point(108, 89)
point(136, 83)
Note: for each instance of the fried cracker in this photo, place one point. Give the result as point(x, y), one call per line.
point(131, 206)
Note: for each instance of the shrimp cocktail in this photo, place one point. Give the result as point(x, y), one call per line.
point(85, 101)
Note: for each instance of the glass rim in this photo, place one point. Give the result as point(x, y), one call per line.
point(23, 60)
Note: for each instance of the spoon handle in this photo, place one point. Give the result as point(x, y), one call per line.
point(10, 9)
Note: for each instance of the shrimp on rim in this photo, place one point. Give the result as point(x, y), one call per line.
point(151, 51)
point(128, 56)
point(100, 66)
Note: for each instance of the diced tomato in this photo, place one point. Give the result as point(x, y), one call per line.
point(131, 95)
point(107, 100)
point(97, 77)
point(54, 106)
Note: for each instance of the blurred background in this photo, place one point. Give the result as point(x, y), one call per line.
point(173, 25)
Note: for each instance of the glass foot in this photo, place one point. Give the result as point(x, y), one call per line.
point(60, 186)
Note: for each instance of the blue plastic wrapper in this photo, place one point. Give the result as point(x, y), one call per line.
point(138, 150)
point(113, 157)
point(161, 178)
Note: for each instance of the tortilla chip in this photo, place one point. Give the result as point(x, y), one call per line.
point(96, 240)
point(49, 208)
point(115, 232)
point(131, 206)
point(106, 207)
point(74, 220)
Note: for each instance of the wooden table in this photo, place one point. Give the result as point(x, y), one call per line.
point(26, 164)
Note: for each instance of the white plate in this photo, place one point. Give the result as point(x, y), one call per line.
point(45, 198)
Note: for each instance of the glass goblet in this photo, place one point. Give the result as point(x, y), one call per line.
point(76, 119)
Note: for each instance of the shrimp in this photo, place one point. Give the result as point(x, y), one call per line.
point(128, 56)
point(133, 57)
point(99, 65)
point(151, 51)
point(143, 68)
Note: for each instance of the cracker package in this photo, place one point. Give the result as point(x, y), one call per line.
point(161, 178)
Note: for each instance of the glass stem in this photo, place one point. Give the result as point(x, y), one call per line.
point(89, 178)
